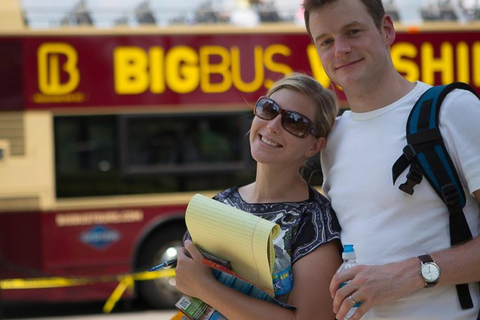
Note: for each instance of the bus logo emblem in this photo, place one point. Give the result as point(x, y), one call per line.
point(57, 68)
point(99, 237)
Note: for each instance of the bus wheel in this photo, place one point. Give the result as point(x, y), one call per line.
point(160, 247)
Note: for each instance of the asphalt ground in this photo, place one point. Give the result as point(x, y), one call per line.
point(125, 309)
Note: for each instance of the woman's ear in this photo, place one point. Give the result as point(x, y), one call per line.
point(318, 145)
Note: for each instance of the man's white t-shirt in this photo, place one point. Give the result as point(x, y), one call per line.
point(387, 225)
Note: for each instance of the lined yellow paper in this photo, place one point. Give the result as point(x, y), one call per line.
point(235, 235)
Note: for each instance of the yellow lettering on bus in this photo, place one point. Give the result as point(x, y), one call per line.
point(182, 69)
point(156, 58)
point(130, 69)
point(463, 64)
point(222, 69)
point(269, 61)
point(432, 65)
point(49, 68)
point(476, 64)
point(316, 65)
point(237, 68)
point(402, 53)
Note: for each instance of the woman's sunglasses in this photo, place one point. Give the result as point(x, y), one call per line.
point(293, 122)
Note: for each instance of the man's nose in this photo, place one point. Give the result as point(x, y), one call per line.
point(342, 47)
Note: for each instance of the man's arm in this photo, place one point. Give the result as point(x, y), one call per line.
point(374, 285)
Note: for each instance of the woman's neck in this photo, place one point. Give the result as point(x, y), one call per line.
point(275, 187)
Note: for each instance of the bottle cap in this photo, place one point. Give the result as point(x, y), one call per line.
point(348, 252)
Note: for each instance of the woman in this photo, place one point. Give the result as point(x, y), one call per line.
point(290, 125)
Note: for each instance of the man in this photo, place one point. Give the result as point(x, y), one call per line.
point(389, 228)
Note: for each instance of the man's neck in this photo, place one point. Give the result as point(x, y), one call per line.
point(372, 97)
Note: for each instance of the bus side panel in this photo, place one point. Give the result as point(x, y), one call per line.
point(11, 75)
point(20, 245)
point(85, 243)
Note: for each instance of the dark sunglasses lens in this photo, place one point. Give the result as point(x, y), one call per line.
point(266, 109)
point(295, 123)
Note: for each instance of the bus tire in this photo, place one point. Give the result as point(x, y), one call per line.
point(160, 293)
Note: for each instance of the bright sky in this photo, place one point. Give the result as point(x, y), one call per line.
point(47, 13)
point(44, 13)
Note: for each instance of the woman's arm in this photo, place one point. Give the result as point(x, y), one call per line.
point(310, 295)
point(312, 275)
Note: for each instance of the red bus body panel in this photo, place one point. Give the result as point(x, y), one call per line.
point(42, 248)
point(204, 68)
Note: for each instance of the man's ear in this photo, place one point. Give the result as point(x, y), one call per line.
point(388, 29)
point(318, 145)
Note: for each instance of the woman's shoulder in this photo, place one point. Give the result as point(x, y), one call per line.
point(316, 196)
point(229, 193)
point(321, 208)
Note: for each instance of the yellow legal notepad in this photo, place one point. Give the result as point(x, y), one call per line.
point(234, 235)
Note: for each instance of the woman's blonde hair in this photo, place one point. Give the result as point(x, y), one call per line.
point(324, 99)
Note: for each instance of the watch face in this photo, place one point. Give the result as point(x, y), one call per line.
point(430, 272)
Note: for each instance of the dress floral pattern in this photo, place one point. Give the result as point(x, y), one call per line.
point(305, 225)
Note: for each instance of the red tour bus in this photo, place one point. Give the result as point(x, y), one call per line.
point(106, 135)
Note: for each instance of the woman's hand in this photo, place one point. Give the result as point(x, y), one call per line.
point(192, 277)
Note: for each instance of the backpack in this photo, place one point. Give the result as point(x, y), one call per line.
point(427, 157)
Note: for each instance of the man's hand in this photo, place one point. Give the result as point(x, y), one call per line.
point(374, 285)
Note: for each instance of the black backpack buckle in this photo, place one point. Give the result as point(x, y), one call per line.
point(450, 194)
point(414, 177)
point(409, 152)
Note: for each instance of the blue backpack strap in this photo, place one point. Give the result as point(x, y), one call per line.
point(427, 157)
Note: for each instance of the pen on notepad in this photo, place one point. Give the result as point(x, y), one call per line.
point(166, 264)
point(169, 263)
point(173, 262)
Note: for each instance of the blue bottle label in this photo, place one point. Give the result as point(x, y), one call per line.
point(283, 281)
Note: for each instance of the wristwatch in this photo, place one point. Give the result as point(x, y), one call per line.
point(429, 271)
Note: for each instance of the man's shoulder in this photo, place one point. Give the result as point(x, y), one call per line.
point(460, 101)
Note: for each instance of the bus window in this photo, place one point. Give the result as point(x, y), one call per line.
point(153, 154)
point(175, 141)
point(85, 156)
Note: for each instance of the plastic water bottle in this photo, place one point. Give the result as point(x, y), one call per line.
point(349, 261)
point(282, 273)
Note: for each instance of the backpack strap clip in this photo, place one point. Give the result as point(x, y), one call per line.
point(409, 152)
point(450, 194)
point(414, 177)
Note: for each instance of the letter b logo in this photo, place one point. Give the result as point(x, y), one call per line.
point(49, 68)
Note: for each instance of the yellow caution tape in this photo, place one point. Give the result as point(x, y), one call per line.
point(41, 283)
point(126, 281)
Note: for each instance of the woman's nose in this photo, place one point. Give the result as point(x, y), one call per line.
point(274, 125)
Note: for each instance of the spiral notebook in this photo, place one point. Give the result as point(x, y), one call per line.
point(243, 239)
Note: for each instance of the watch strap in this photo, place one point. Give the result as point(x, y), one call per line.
point(425, 258)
